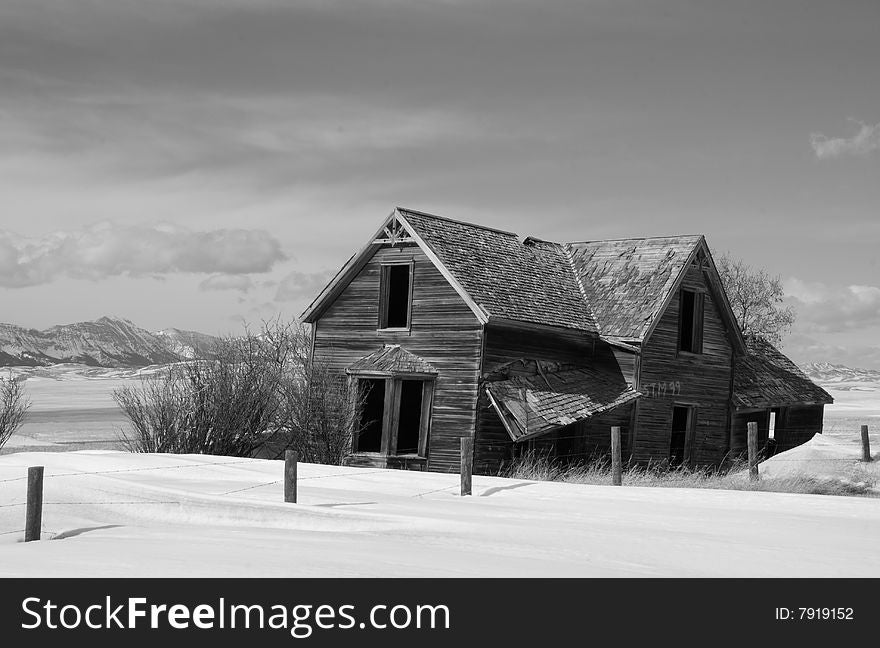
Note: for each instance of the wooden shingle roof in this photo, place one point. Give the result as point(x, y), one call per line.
point(534, 403)
point(626, 281)
point(765, 378)
point(529, 281)
point(615, 289)
point(391, 359)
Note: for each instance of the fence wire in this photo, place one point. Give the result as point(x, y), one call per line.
point(598, 454)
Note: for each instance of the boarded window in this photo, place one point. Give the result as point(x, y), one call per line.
point(395, 296)
point(690, 325)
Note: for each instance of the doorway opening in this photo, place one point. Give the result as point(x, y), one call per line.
point(679, 446)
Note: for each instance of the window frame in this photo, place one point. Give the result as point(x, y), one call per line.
point(698, 322)
point(385, 287)
point(391, 413)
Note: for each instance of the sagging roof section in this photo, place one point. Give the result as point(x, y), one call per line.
point(393, 360)
point(550, 396)
point(765, 378)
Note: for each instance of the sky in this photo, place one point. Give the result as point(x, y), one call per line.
point(203, 164)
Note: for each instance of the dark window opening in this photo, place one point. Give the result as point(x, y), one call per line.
point(410, 421)
point(690, 328)
point(400, 429)
point(372, 415)
point(678, 441)
point(395, 296)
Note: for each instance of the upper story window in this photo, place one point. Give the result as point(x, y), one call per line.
point(395, 296)
point(690, 323)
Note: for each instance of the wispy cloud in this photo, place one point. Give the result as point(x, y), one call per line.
point(824, 308)
point(862, 143)
point(242, 283)
point(107, 249)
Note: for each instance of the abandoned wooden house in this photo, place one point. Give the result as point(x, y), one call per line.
point(452, 330)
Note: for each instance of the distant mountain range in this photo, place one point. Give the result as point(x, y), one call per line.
point(826, 373)
point(114, 342)
point(105, 342)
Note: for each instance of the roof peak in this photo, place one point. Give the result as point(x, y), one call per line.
point(523, 238)
point(638, 238)
point(407, 210)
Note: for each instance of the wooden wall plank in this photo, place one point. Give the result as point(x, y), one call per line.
point(667, 377)
point(444, 332)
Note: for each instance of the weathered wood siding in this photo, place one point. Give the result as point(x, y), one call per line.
point(739, 432)
point(444, 332)
point(801, 423)
point(508, 344)
point(627, 361)
point(794, 426)
point(703, 380)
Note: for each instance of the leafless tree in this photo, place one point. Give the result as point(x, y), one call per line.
point(757, 299)
point(14, 405)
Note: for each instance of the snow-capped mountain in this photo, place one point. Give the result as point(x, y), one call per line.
point(105, 342)
point(826, 373)
point(188, 345)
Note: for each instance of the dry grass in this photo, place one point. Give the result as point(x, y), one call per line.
point(540, 467)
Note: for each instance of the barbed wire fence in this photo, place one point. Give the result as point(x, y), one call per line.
point(599, 454)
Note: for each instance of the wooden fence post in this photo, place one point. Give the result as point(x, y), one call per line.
point(467, 464)
point(616, 465)
point(290, 459)
point(34, 516)
point(753, 451)
point(866, 444)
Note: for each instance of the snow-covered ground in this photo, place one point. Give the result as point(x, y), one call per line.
point(111, 513)
point(116, 514)
point(862, 399)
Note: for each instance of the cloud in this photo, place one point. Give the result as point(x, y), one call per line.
point(227, 282)
point(107, 249)
point(862, 143)
point(803, 349)
point(302, 286)
point(828, 309)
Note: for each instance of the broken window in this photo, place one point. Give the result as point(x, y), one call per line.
point(395, 296)
point(395, 416)
point(690, 324)
point(679, 442)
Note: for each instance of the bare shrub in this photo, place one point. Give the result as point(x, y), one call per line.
point(222, 406)
point(318, 408)
point(261, 394)
point(14, 406)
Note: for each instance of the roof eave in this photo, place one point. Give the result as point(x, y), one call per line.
point(357, 261)
point(717, 288)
